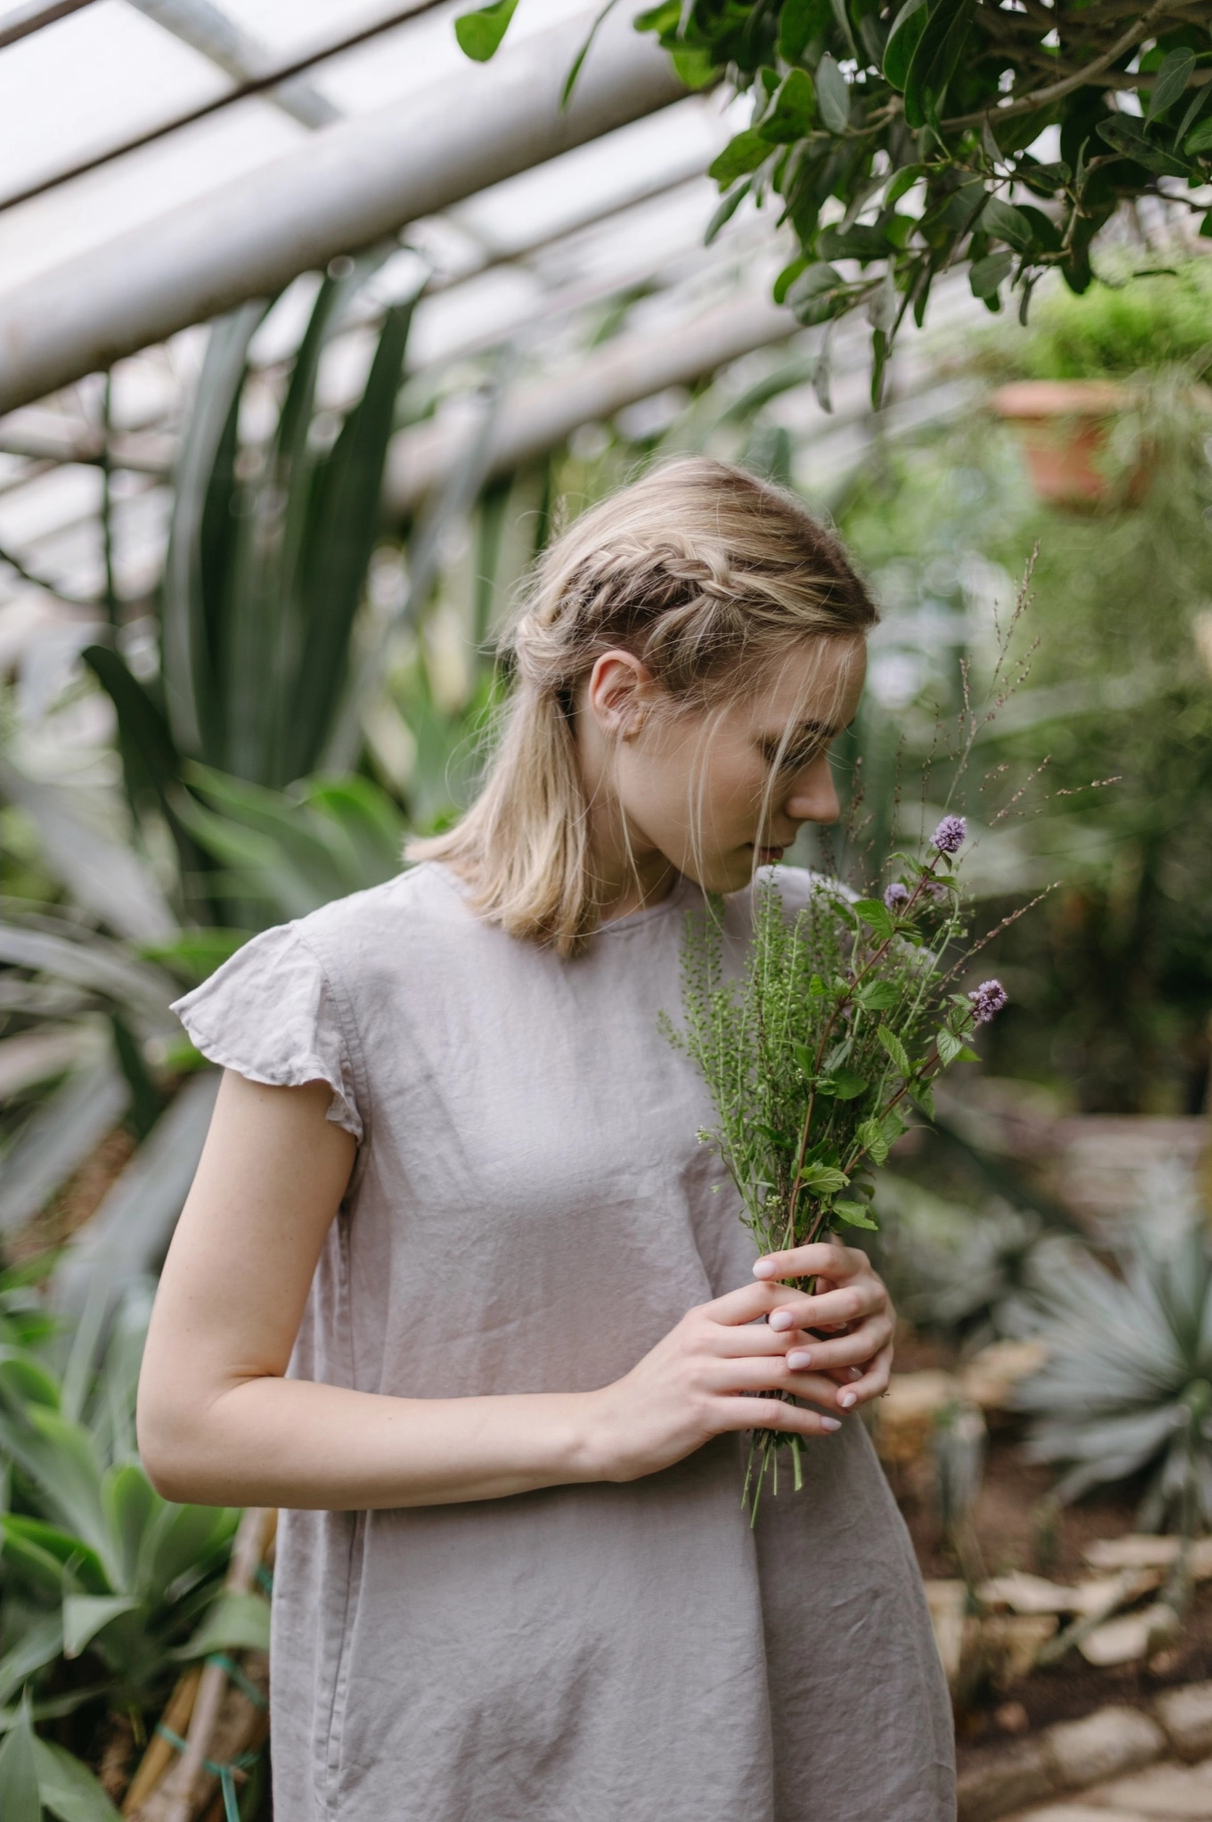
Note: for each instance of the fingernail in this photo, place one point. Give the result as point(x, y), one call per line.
point(846, 1400)
point(764, 1268)
point(782, 1319)
point(797, 1360)
point(830, 1423)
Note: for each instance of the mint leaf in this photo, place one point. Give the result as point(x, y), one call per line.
point(854, 1215)
point(896, 1050)
point(823, 1179)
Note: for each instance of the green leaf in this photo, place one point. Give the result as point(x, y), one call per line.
point(480, 33)
point(833, 95)
point(68, 1788)
point(696, 68)
point(724, 212)
point(892, 1126)
point(896, 1050)
point(176, 1540)
point(870, 1135)
point(236, 1622)
point(854, 1215)
point(948, 1046)
point(1171, 80)
point(876, 914)
point(131, 1503)
point(907, 28)
point(935, 58)
point(1007, 223)
point(842, 1085)
point(787, 278)
point(793, 110)
point(21, 1532)
point(1200, 140)
point(901, 182)
point(24, 1380)
point(843, 25)
point(62, 1458)
point(40, 1643)
point(19, 1799)
point(578, 62)
point(1127, 137)
point(923, 1096)
point(801, 22)
point(878, 996)
point(823, 1179)
point(741, 155)
point(988, 275)
point(85, 1615)
point(816, 294)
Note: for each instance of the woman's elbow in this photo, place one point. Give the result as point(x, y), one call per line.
point(171, 1448)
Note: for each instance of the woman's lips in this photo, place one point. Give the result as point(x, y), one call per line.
point(766, 857)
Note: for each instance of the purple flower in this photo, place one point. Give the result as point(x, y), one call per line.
point(936, 890)
point(896, 896)
point(987, 1001)
point(948, 838)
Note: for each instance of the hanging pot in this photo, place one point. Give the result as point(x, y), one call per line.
point(1063, 427)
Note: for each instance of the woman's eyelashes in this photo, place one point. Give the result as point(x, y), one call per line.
point(793, 758)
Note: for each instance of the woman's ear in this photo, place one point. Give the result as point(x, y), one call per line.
point(620, 686)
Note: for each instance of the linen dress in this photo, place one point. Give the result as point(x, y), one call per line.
point(530, 1211)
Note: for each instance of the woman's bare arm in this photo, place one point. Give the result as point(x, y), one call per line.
point(219, 1424)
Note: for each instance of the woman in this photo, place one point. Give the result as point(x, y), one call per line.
point(453, 1286)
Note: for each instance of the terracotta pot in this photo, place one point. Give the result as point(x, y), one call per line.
point(1062, 426)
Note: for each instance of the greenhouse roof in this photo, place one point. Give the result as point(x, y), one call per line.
point(145, 188)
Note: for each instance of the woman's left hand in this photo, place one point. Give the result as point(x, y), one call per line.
point(850, 1303)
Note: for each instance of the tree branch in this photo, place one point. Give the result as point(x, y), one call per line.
point(1040, 98)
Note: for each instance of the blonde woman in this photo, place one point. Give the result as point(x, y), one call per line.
point(459, 1289)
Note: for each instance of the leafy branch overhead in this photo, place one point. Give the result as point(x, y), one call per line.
point(902, 141)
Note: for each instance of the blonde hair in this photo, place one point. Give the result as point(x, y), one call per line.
point(702, 571)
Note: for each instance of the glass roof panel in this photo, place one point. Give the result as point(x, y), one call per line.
point(100, 75)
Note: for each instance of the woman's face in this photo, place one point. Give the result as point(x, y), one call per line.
point(717, 792)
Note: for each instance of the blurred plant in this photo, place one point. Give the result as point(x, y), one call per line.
point(1112, 985)
point(1126, 323)
point(941, 106)
point(1127, 1389)
point(269, 547)
point(956, 1271)
point(108, 1587)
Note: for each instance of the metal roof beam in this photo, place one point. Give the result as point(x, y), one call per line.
point(540, 416)
point(349, 185)
point(207, 29)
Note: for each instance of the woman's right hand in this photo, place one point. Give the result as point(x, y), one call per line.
point(692, 1386)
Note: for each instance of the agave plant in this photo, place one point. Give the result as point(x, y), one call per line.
point(1127, 1389)
point(108, 1587)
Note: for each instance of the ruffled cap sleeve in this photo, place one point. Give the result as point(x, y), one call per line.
point(271, 1014)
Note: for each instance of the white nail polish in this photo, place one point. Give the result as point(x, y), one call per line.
point(846, 1400)
point(830, 1423)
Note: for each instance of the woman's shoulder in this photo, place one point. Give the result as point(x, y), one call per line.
point(409, 908)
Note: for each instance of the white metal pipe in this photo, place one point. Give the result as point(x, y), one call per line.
point(347, 186)
point(539, 417)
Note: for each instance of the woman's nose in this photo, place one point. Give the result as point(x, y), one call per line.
point(813, 796)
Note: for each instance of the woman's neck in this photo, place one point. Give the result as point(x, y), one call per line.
point(628, 872)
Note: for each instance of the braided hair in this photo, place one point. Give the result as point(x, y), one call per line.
point(703, 572)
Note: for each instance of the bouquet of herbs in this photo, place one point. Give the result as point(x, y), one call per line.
point(839, 1021)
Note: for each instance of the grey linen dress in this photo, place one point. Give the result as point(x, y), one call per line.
point(531, 1211)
